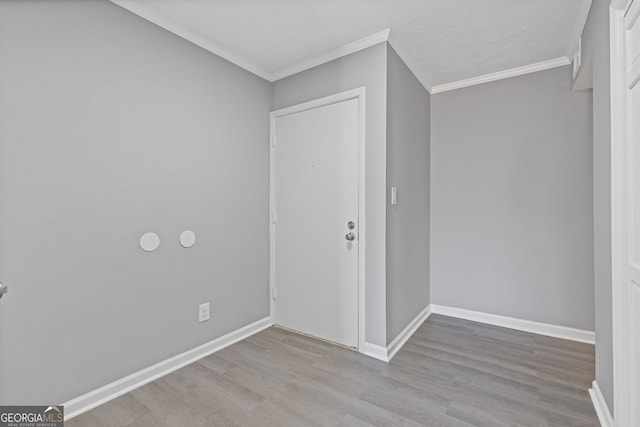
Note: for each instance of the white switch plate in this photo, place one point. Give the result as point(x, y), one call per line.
point(394, 195)
point(203, 312)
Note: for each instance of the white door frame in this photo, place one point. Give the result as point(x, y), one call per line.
point(359, 94)
point(622, 358)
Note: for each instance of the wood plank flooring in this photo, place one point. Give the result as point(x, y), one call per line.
point(450, 373)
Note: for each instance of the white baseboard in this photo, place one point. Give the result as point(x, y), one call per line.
point(556, 331)
point(386, 353)
point(374, 350)
point(600, 405)
point(90, 400)
point(406, 333)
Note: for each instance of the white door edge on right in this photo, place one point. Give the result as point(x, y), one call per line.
point(625, 188)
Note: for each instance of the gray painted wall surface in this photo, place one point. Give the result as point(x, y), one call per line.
point(365, 68)
point(111, 127)
point(595, 39)
point(511, 199)
point(408, 134)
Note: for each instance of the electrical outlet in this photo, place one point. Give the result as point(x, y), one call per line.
point(203, 312)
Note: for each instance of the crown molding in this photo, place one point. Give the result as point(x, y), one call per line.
point(139, 9)
point(409, 61)
point(583, 14)
point(179, 30)
point(513, 72)
point(345, 50)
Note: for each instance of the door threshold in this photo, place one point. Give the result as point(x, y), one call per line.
point(284, 328)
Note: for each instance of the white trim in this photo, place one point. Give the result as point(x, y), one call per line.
point(386, 353)
point(577, 60)
point(180, 30)
point(353, 47)
point(513, 72)
point(600, 405)
point(358, 93)
point(403, 53)
point(345, 50)
point(320, 102)
point(272, 218)
point(139, 9)
point(619, 4)
point(90, 400)
point(374, 350)
point(631, 16)
point(583, 14)
point(622, 364)
point(556, 331)
point(362, 218)
point(144, 12)
point(407, 332)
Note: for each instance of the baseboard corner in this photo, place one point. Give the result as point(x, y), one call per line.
point(407, 332)
point(600, 405)
point(374, 350)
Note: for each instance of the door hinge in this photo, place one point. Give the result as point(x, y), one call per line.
point(273, 141)
point(273, 293)
point(273, 217)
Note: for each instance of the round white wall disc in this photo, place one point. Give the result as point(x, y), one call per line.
point(187, 238)
point(149, 242)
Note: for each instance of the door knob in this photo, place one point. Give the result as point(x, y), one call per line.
point(351, 225)
point(350, 236)
point(3, 289)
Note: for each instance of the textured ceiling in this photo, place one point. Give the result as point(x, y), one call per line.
point(443, 41)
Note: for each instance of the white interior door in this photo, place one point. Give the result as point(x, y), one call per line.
point(626, 212)
point(315, 179)
point(632, 279)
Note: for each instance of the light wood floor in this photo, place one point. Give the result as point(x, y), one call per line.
point(451, 373)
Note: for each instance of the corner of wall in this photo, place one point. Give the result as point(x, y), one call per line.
point(407, 170)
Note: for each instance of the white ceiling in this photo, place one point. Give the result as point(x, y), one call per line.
point(442, 41)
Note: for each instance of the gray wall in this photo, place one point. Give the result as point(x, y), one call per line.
point(366, 68)
point(408, 134)
point(595, 39)
point(511, 206)
point(111, 127)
